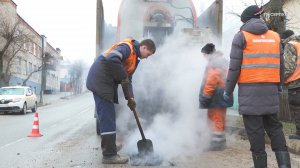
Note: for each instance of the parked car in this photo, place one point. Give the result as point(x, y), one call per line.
point(17, 99)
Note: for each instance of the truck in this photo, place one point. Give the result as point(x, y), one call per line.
point(158, 19)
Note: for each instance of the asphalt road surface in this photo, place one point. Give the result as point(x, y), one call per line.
point(69, 140)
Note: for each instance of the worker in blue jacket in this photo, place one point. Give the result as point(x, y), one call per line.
point(115, 66)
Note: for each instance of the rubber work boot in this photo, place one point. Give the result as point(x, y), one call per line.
point(294, 136)
point(119, 147)
point(217, 146)
point(109, 150)
point(108, 145)
point(283, 159)
point(259, 160)
point(116, 159)
point(218, 142)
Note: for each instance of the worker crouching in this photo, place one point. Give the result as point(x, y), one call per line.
point(211, 94)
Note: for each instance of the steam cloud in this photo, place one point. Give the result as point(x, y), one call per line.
point(166, 88)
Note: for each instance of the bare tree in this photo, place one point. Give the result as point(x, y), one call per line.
point(275, 19)
point(99, 27)
point(30, 74)
point(76, 74)
point(13, 38)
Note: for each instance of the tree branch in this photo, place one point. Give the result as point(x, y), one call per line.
point(30, 74)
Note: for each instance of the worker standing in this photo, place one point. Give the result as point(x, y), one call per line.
point(292, 76)
point(211, 94)
point(255, 66)
point(115, 66)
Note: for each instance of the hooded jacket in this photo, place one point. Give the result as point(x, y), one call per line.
point(291, 57)
point(254, 98)
point(108, 71)
point(212, 88)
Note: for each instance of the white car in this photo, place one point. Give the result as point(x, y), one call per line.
point(17, 99)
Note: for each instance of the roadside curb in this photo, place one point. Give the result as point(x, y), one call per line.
point(293, 145)
point(49, 102)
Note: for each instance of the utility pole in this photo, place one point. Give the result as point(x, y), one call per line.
point(99, 26)
point(43, 77)
point(219, 18)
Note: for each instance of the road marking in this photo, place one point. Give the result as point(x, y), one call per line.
point(69, 118)
point(9, 144)
point(52, 126)
point(20, 140)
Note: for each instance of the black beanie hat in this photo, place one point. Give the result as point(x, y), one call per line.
point(209, 48)
point(250, 12)
point(286, 34)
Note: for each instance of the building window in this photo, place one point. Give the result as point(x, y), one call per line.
point(34, 49)
point(40, 51)
point(26, 71)
point(37, 49)
point(25, 46)
point(19, 65)
point(35, 69)
point(30, 67)
point(30, 47)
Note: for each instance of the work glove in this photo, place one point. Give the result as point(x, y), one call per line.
point(226, 96)
point(204, 101)
point(131, 104)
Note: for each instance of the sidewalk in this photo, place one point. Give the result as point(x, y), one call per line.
point(235, 125)
point(52, 98)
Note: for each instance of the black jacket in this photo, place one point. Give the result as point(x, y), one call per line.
point(107, 72)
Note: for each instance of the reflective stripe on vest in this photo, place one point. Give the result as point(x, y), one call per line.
point(261, 58)
point(296, 73)
point(130, 62)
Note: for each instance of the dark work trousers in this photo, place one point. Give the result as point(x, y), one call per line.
point(294, 101)
point(106, 115)
point(256, 125)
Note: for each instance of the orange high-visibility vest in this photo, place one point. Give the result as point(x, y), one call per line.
point(296, 73)
point(261, 58)
point(130, 62)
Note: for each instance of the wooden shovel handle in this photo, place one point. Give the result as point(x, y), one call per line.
point(125, 86)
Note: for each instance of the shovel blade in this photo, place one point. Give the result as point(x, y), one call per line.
point(145, 146)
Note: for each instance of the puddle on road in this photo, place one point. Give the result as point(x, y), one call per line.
point(148, 160)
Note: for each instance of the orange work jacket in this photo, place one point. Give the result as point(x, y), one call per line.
point(130, 62)
point(261, 58)
point(296, 74)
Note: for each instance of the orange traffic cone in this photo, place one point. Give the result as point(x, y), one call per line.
point(35, 128)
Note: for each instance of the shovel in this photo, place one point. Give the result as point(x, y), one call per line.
point(144, 145)
point(284, 113)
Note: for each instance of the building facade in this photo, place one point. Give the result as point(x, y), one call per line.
point(292, 18)
point(291, 8)
point(28, 60)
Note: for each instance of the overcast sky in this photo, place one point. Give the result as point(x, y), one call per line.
point(70, 24)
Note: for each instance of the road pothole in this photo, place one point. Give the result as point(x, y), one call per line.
point(148, 160)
